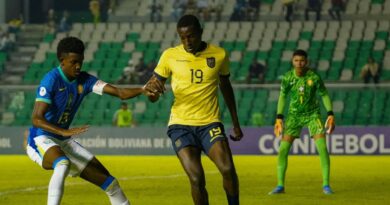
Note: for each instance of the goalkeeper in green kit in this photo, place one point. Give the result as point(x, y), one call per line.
point(302, 84)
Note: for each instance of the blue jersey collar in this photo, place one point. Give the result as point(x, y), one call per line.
point(64, 76)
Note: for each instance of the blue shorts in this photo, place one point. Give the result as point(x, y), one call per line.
point(202, 137)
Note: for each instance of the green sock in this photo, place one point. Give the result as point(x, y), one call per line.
point(282, 161)
point(324, 159)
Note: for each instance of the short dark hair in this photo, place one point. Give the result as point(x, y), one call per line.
point(189, 20)
point(70, 45)
point(300, 52)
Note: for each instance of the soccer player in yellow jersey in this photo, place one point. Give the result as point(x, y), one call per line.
point(197, 69)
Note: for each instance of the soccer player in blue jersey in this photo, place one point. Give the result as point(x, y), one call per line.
point(302, 84)
point(197, 69)
point(50, 142)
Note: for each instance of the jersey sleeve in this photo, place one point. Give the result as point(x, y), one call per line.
point(285, 85)
point(321, 87)
point(45, 90)
point(93, 84)
point(162, 69)
point(225, 70)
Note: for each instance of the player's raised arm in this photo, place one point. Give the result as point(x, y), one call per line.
point(228, 95)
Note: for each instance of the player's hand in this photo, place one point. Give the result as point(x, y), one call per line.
point(278, 127)
point(329, 124)
point(237, 134)
point(149, 93)
point(154, 85)
point(75, 131)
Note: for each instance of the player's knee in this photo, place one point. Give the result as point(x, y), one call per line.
point(197, 180)
point(283, 150)
point(227, 171)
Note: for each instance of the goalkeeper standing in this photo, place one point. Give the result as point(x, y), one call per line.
point(303, 85)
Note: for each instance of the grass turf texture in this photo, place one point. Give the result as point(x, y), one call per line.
point(152, 180)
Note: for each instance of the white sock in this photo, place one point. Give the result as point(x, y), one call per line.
point(56, 185)
point(115, 193)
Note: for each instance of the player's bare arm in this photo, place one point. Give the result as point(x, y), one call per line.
point(126, 93)
point(38, 120)
point(228, 95)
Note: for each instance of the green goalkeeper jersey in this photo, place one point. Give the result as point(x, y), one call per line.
point(302, 90)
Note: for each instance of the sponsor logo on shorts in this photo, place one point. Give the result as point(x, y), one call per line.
point(178, 143)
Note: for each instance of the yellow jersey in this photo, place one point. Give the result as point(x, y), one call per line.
point(194, 82)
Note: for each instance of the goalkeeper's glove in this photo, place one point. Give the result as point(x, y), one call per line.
point(278, 127)
point(329, 124)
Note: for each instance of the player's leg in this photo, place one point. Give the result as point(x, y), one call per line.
point(97, 174)
point(53, 158)
point(221, 155)
point(56, 160)
point(188, 150)
point(190, 159)
point(284, 149)
point(316, 130)
point(215, 145)
point(90, 169)
point(292, 130)
point(320, 141)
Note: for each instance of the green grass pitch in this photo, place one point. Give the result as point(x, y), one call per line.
point(160, 180)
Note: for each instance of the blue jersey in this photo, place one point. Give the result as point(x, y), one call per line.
point(64, 98)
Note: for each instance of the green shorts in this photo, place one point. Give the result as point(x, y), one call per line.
point(295, 123)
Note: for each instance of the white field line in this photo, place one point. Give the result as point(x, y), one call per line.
point(38, 188)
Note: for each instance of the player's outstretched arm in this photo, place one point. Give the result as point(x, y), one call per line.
point(38, 120)
point(155, 85)
point(126, 93)
point(228, 95)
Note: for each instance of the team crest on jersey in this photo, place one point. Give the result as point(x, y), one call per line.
point(310, 82)
point(80, 89)
point(211, 62)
